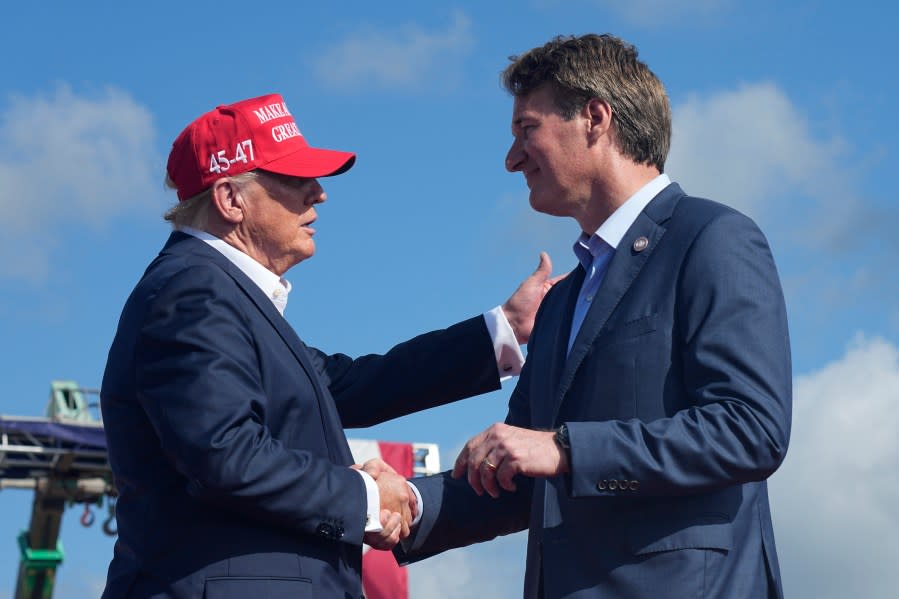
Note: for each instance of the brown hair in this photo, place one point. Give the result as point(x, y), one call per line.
point(578, 69)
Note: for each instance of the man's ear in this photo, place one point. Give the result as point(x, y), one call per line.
point(598, 115)
point(227, 201)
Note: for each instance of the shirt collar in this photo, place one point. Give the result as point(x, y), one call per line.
point(610, 233)
point(274, 287)
point(615, 227)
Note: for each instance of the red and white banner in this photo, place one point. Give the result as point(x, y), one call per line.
point(382, 577)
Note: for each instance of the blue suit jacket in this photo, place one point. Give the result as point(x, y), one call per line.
point(225, 434)
point(677, 396)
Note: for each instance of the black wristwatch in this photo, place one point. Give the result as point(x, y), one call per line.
point(562, 440)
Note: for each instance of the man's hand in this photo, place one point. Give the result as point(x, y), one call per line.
point(495, 456)
point(521, 308)
point(389, 535)
point(374, 467)
point(395, 495)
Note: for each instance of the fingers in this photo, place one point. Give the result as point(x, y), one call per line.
point(472, 467)
point(473, 461)
point(487, 472)
point(505, 475)
point(469, 459)
point(461, 464)
point(521, 307)
point(396, 496)
point(390, 533)
point(556, 279)
point(391, 525)
point(545, 266)
point(376, 466)
point(405, 521)
point(463, 460)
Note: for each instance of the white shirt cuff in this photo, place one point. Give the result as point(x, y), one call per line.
point(421, 503)
point(509, 358)
point(373, 501)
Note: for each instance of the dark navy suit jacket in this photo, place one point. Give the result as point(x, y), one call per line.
point(225, 434)
point(677, 395)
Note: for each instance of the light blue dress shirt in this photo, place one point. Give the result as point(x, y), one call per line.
point(595, 252)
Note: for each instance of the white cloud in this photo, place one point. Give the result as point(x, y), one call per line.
point(652, 13)
point(755, 149)
point(748, 146)
point(68, 161)
point(835, 498)
point(407, 57)
point(494, 569)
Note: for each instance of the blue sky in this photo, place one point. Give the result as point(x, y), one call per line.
point(784, 110)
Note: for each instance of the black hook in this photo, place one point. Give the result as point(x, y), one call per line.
point(87, 518)
point(107, 524)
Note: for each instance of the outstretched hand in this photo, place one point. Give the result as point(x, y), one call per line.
point(521, 308)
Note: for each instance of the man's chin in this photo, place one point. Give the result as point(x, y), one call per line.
point(306, 252)
point(543, 205)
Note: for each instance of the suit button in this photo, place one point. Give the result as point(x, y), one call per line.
point(634, 485)
point(602, 485)
point(613, 485)
point(325, 530)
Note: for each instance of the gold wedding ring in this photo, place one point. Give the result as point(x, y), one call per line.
point(489, 464)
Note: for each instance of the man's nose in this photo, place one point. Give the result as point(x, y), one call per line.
point(515, 157)
point(318, 194)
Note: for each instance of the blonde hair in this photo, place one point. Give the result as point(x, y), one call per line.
point(194, 211)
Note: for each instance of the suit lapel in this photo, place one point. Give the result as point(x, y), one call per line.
point(567, 293)
point(623, 269)
point(338, 450)
point(330, 419)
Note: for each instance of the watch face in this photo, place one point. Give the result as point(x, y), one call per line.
point(561, 437)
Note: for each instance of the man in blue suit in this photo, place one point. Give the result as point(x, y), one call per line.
point(225, 431)
point(656, 396)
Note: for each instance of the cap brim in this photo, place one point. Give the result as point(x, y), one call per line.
point(312, 162)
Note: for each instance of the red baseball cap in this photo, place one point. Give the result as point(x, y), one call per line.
point(237, 138)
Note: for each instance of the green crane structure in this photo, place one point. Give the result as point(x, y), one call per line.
point(62, 458)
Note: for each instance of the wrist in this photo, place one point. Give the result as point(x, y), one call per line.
point(563, 442)
point(512, 318)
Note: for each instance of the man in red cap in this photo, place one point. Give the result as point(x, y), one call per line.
point(225, 431)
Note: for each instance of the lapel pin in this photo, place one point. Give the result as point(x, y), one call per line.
point(640, 244)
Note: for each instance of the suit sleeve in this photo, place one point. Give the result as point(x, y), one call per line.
point(732, 348)
point(199, 382)
point(454, 515)
point(429, 370)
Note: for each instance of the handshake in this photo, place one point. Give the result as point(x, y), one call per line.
point(491, 460)
point(399, 505)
